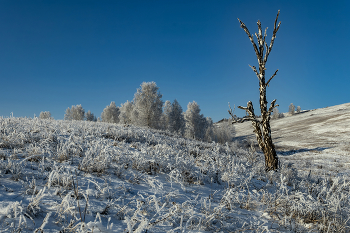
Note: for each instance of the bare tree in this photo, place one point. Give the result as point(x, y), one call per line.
point(261, 126)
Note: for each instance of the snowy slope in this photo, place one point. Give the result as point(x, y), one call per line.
point(72, 176)
point(318, 138)
point(320, 128)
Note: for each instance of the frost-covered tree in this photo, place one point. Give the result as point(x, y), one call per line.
point(261, 126)
point(148, 105)
point(75, 113)
point(276, 114)
point(291, 109)
point(176, 118)
point(165, 120)
point(45, 115)
point(209, 130)
point(90, 116)
point(68, 114)
point(126, 109)
point(298, 109)
point(110, 114)
point(195, 123)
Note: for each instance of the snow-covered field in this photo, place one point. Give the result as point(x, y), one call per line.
point(73, 176)
point(319, 139)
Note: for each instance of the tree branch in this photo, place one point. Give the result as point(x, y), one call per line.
point(267, 83)
point(272, 106)
point(244, 108)
point(256, 72)
point(250, 110)
point(230, 111)
point(260, 40)
point(247, 119)
point(250, 37)
point(276, 27)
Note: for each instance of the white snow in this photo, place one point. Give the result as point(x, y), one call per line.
point(98, 177)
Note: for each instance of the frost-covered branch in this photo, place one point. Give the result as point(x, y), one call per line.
point(267, 83)
point(272, 106)
point(276, 27)
point(255, 71)
point(250, 37)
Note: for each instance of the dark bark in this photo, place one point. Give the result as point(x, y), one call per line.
point(262, 127)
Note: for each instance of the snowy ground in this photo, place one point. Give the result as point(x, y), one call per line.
point(318, 139)
point(61, 176)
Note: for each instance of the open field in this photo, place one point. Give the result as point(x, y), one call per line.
point(75, 176)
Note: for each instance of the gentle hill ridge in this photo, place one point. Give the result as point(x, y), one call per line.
point(319, 128)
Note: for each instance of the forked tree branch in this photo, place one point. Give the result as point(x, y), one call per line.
point(250, 110)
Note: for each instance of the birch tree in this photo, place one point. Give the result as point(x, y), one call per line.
point(45, 115)
point(291, 109)
point(177, 120)
point(125, 113)
point(261, 126)
point(110, 113)
point(90, 116)
point(195, 123)
point(75, 113)
point(166, 115)
point(148, 105)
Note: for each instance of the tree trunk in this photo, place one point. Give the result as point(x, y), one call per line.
point(262, 127)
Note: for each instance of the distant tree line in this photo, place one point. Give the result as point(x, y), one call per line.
point(148, 109)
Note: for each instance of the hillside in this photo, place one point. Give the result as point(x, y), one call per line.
point(75, 176)
point(319, 137)
point(319, 128)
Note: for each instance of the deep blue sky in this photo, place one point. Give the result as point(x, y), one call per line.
point(55, 54)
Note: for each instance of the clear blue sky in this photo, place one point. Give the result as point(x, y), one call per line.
point(55, 54)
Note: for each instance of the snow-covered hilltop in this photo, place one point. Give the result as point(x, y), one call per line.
point(75, 176)
point(324, 127)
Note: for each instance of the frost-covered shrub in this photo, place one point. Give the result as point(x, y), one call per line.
point(14, 219)
point(96, 159)
point(223, 132)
